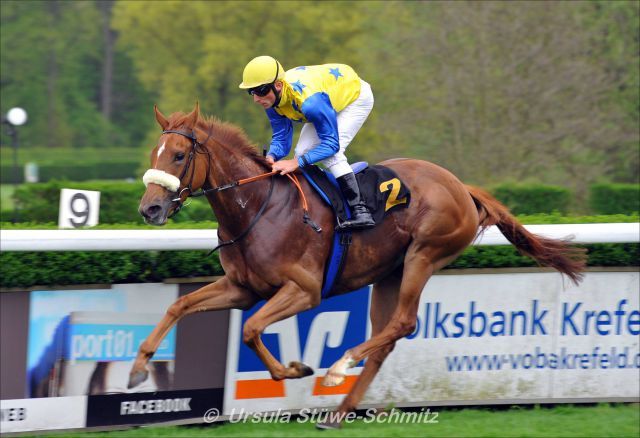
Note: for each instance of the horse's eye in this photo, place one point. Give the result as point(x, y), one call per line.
point(179, 156)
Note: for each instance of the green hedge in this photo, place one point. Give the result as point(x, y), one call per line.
point(557, 218)
point(533, 198)
point(603, 254)
point(615, 198)
point(25, 269)
point(118, 202)
point(75, 171)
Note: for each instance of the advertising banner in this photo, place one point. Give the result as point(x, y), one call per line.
point(154, 407)
point(43, 414)
point(529, 337)
point(480, 338)
point(83, 342)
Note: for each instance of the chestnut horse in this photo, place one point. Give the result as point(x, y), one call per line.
point(281, 259)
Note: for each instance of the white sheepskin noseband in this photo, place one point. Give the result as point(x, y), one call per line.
point(162, 178)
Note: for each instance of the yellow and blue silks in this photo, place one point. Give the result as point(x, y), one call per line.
point(312, 94)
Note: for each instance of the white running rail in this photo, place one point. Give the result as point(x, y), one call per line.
point(187, 239)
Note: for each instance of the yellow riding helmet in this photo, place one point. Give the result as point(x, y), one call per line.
point(260, 71)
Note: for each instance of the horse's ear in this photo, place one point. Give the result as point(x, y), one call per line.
point(192, 118)
point(162, 120)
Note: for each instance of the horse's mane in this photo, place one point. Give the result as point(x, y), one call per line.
point(224, 133)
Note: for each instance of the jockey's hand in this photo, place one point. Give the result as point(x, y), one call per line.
point(285, 166)
point(270, 159)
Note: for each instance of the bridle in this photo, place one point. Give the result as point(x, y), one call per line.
point(198, 147)
point(195, 146)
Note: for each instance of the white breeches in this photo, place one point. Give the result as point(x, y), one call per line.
point(350, 119)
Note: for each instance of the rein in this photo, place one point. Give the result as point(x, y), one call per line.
point(239, 182)
point(253, 221)
point(294, 179)
point(202, 192)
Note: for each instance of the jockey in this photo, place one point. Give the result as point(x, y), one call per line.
point(332, 102)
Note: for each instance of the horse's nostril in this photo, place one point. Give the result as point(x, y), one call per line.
point(151, 211)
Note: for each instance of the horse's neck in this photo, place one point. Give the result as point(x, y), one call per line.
point(229, 164)
point(235, 207)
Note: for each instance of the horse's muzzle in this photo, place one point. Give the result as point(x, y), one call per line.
point(155, 213)
point(151, 213)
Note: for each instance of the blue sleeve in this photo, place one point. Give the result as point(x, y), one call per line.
point(282, 135)
point(318, 110)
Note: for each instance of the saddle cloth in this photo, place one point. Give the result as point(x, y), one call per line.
point(380, 189)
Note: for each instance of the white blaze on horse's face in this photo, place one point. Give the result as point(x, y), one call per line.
point(160, 151)
point(160, 177)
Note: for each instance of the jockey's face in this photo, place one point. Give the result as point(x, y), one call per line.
point(269, 99)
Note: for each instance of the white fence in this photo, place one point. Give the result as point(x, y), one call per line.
point(168, 240)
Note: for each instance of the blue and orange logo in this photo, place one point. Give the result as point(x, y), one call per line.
point(318, 337)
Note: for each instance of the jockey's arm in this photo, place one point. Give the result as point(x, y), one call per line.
point(282, 136)
point(318, 110)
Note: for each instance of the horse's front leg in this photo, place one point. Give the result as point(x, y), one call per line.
point(288, 301)
point(222, 294)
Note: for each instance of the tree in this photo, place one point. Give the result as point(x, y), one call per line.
point(202, 48)
point(53, 65)
point(491, 90)
point(496, 91)
point(23, 65)
point(614, 40)
point(108, 42)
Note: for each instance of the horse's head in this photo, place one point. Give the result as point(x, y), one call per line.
point(179, 164)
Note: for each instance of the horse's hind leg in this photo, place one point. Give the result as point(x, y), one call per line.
point(384, 299)
point(222, 294)
point(418, 268)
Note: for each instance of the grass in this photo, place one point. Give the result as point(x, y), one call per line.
point(6, 190)
point(46, 155)
point(603, 420)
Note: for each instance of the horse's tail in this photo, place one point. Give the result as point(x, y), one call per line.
point(558, 254)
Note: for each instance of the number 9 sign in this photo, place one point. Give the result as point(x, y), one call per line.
point(78, 208)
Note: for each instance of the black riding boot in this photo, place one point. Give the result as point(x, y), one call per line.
point(360, 216)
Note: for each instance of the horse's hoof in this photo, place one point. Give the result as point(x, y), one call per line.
point(303, 369)
point(332, 379)
point(136, 378)
point(328, 425)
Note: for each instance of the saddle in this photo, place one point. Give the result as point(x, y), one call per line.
point(381, 190)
